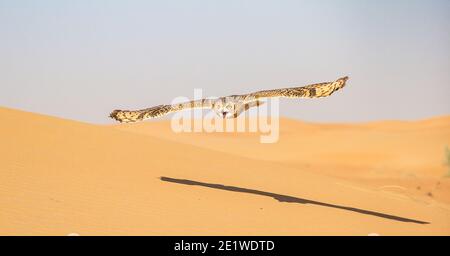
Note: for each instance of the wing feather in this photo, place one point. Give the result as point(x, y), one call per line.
point(131, 116)
point(309, 91)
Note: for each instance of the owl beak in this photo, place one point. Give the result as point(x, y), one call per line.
point(224, 114)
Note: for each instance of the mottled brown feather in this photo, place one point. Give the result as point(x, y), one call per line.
point(130, 116)
point(309, 91)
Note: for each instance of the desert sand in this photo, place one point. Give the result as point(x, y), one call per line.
point(60, 177)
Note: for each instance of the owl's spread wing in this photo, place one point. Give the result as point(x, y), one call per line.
point(130, 116)
point(309, 91)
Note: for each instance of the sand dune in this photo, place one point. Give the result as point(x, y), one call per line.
point(60, 177)
point(399, 156)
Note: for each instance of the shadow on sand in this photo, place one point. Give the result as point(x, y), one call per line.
point(289, 199)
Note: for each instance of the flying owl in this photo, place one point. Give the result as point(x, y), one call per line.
point(231, 106)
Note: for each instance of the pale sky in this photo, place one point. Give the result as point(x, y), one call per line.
point(81, 59)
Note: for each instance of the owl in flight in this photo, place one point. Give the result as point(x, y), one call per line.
point(231, 106)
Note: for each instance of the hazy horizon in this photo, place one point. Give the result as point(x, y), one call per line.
point(80, 60)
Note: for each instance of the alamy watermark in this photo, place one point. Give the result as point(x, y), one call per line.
point(229, 114)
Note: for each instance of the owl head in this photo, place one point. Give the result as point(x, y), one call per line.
point(225, 107)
